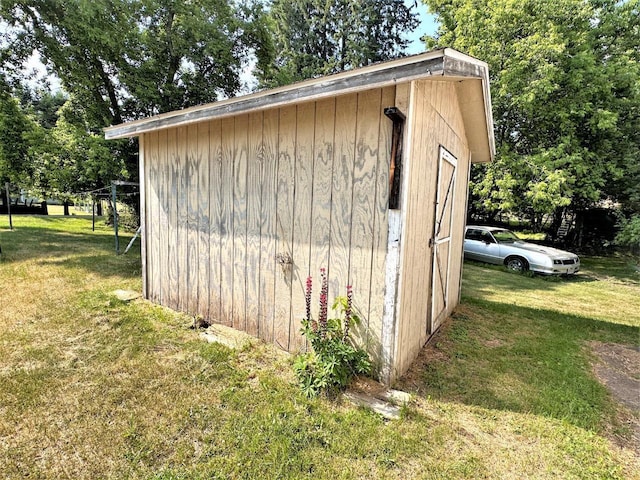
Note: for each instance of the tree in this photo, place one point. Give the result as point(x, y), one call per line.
point(69, 159)
point(122, 60)
point(565, 99)
point(319, 37)
point(125, 59)
point(15, 127)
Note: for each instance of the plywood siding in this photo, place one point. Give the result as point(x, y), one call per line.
point(435, 120)
point(227, 198)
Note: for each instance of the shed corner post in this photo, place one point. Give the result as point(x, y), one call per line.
point(389, 316)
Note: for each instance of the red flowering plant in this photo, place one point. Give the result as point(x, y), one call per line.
point(334, 359)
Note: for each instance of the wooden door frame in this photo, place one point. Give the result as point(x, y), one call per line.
point(443, 155)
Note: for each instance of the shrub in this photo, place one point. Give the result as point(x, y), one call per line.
point(334, 359)
point(629, 233)
point(128, 218)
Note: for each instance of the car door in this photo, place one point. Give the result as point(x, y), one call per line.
point(473, 244)
point(489, 248)
point(483, 247)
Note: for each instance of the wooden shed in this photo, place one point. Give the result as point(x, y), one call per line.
point(364, 173)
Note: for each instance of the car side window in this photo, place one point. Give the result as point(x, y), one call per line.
point(473, 234)
point(487, 237)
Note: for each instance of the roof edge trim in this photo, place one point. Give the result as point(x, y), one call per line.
point(444, 62)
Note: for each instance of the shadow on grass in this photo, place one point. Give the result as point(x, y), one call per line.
point(69, 244)
point(511, 281)
point(520, 359)
point(624, 268)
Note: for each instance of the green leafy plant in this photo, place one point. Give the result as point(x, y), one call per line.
point(629, 233)
point(334, 359)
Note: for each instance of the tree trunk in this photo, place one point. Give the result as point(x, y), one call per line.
point(65, 204)
point(99, 208)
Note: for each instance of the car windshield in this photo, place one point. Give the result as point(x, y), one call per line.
point(505, 236)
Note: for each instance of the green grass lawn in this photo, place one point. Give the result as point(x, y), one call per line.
point(92, 387)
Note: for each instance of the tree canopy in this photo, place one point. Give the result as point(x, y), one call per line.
point(566, 95)
point(118, 60)
point(15, 128)
point(126, 59)
point(319, 37)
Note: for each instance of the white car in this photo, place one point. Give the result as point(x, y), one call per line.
point(502, 247)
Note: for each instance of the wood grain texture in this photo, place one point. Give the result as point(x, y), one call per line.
point(241, 146)
point(421, 324)
point(321, 205)
point(342, 194)
point(254, 192)
point(163, 221)
point(268, 232)
point(226, 223)
point(436, 118)
point(193, 240)
point(284, 223)
point(414, 296)
point(172, 206)
point(461, 150)
point(311, 181)
point(380, 229)
point(216, 222)
point(203, 161)
point(183, 219)
point(302, 210)
point(365, 169)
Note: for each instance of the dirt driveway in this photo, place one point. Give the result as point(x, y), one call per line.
point(618, 368)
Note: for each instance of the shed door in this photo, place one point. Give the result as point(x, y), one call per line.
point(441, 240)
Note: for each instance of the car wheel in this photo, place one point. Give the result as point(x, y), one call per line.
point(516, 264)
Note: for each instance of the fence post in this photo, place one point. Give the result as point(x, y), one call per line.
point(115, 216)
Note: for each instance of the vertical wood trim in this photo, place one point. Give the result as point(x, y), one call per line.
point(241, 125)
point(143, 214)
point(153, 260)
point(440, 288)
point(192, 187)
point(215, 223)
point(284, 220)
point(342, 194)
point(203, 161)
point(268, 233)
point(254, 194)
point(302, 206)
point(323, 155)
point(388, 336)
point(404, 101)
point(381, 243)
point(226, 223)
